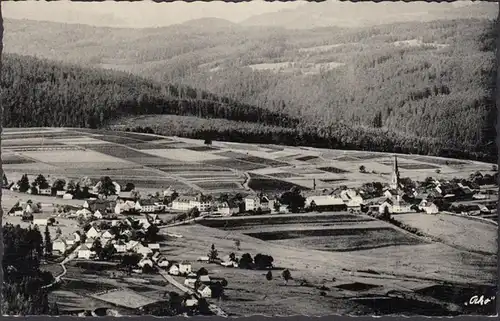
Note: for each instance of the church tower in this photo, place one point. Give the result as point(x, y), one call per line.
point(395, 174)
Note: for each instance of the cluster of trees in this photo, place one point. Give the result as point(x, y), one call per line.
point(22, 292)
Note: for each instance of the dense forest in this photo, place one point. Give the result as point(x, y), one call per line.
point(411, 87)
point(22, 292)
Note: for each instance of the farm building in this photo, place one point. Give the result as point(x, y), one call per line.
point(185, 203)
point(103, 206)
point(325, 202)
point(41, 221)
point(228, 208)
point(185, 267)
point(60, 193)
point(205, 291)
point(147, 206)
point(84, 252)
point(352, 198)
point(203, 259)
point(254, 203)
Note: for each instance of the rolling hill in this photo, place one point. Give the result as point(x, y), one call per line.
point(347, 14)
point(419, 87)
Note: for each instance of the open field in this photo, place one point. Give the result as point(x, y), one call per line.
point(454, 230)
point(398, 263)
point(271, 167)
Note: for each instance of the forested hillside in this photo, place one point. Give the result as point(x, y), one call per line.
point(411, 87)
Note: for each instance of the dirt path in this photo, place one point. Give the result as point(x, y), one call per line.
point(57, 279)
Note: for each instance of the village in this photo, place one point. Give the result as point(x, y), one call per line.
point(117, 224)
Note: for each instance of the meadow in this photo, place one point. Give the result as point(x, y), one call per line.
point(154, 161)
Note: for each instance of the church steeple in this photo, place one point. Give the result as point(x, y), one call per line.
point(395, 174)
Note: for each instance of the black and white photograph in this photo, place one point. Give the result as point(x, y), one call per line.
point(251, 158)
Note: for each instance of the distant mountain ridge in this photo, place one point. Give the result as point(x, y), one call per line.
point(346, 14)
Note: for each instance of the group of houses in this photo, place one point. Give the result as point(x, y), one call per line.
point(120, 238)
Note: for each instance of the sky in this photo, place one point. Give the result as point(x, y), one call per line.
point(143, 14)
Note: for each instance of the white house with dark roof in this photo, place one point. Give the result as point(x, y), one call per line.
point(93, 233)
point(205, 291)
point(84, 252)
point(185, 203)
point(174, 270)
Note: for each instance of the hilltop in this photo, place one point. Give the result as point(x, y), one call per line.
point(384, 88)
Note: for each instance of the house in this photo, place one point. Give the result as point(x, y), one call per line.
point(185, 267)
point(60, 193)
point(185, 203)
point(144, 222)
point(283, 209)
point(397, 206)
point(93, 233)
point(85, 212)
point(189, 282)
point(191, 302)
point(120, 247)
point(67, 196)
point(174, 270)
point(124, 207)
point(154, 246)
point(90, 242)
point(145, 261)
point(205, 279)
point(131, 245)
point(325, 202)
point(84, 252)
point(258, 202)
point(352, 198)
point(147, 206)
point(431, 208)
point(205, 291)
point(143, 250)
point(45, 191)
point(203, 259)
point(98, 215)
point(228, 208)
point(163, 262)
point(59, 245)
point(107, 236)
point(229, 264)
point(40, 221)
